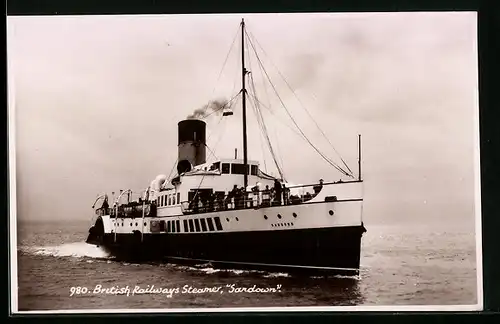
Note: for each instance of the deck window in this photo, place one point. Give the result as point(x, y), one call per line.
point(163, 200)
point(225, 168)
point(169, 227)
point(254, 169)
point(178, 223)
point(162, 226)
point(173, 199)
point(237, 168)
point(178, 197)
point(173, 226)
point(169, 200)
point(203, 224)
point(191, 225)
point(218, 224)
point(210, 224)
point(197, 224)
point(185, 222)
point(215, 166)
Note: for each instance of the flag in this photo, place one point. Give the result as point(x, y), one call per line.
point(146, 196)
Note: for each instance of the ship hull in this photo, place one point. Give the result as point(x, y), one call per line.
point(320, 236)
point(332, 250)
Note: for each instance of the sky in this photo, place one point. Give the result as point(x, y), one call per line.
point(95, 102)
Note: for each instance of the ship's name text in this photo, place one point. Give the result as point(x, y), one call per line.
point(168, 291)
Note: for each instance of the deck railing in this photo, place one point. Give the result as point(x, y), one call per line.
point(252, 200)
point(292, 195)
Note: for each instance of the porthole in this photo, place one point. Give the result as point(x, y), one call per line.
point(237, 219)
point(145, 224)
point(330, 212)
point(294, 215)
point(279, 216)
point(227, 219)
point(265, 216)
point(292, 224)
point(130, 224)
point(135, 224)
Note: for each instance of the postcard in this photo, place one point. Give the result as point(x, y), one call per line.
point(244, 162)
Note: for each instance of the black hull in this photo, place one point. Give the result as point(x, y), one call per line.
point(334, 250)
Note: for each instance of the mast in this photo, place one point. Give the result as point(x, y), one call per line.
point(243, 102)
point(359, 157)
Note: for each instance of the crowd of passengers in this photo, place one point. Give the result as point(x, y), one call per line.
point(239, 198)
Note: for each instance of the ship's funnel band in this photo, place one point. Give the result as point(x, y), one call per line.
point(192, 130)
point(192, 136)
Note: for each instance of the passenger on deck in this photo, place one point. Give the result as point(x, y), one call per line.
point(231, 196)
point(219, 200)
point(105, 206)
point(295, 199)
point(196, 202)
point(266, 196)
point(211, 200)
point(277, 191)
point(286, 194)
point(318, 188)
point(241, 197)
point(256, 194)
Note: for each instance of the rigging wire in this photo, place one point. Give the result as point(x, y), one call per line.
point(280, 156)
point(272, 113)
point(264, 131)
point(227, 104)
point(263, 151)
point(250, 37)
point(216, 127)
point(260, 121)
point(268, 101)
point(223, 66)
point(172, 170)
point(293, 120)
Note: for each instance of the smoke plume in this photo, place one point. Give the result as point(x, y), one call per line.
point(214, 107)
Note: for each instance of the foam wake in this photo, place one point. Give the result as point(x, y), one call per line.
point(76, 250)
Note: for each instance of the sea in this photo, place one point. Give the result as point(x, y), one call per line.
point(400, 265)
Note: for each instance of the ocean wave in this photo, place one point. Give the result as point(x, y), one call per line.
point(76, 250)
point(277, 275)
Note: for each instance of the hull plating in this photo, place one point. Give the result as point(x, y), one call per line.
point(319, 250)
